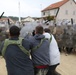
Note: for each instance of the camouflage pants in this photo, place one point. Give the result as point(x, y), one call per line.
point(41, 71)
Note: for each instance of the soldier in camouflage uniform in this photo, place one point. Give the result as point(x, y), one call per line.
point(74, 41)
point(74, 37)
point(64, 37)
point(58, 33)
point(68, 35)
point(2, 36)
point(59, 41)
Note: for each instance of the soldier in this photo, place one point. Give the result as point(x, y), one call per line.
point(58, 33)
point(68, 39)
point(74, 41)
point(40, 51)
point(74, 37)
point(2, 35)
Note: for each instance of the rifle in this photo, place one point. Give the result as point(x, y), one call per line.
point(1, 15)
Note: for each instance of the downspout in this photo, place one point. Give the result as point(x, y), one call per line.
point(57, 14)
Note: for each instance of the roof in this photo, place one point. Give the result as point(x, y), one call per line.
point(55, 5)
point(5, 19)
point(28, 19)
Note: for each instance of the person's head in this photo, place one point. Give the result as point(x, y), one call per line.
point(14, 31)
point(47, 30)
point(39, 30)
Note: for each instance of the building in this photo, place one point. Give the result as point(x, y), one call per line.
point(6, 21)
point(28, 19)
point(63, 11)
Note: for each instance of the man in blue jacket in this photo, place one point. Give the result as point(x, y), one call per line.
point(40, 51)
point(15, 52)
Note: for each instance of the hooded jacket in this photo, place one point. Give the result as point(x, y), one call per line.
point(53, 50)
point(40, 56)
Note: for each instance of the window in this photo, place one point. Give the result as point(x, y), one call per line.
point(70, 2)
point(54, 11)
point(43, 13)
point(48, 13)
point(66, 12)
point(73, 12)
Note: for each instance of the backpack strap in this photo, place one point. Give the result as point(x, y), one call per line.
point(4, 47)
point(39, 44)
point(22, 48)
point(50, 38)
point(7, 42)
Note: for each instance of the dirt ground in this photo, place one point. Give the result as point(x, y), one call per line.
point(67, 66)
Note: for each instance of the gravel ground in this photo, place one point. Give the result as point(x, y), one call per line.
point(67, 66)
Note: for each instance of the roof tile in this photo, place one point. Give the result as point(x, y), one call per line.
point(55, 5)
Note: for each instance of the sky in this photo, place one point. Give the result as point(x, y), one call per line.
point(27, 7)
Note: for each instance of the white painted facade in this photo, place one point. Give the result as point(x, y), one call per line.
point(66, 12)
point(49, 13)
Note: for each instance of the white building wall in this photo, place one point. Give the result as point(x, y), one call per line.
point(70, 6)
point(49, 13)
point(45, 13)
point(53, 12)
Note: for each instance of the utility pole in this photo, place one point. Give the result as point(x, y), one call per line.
point(41, 9)
point(41, 13)
point(19, 15)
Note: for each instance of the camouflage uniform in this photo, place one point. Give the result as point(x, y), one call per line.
point(42, 71)
point(68, 35)
point(74, 40)
point(59, 41)
point(74, 37)
point(2, 37)
point(58, 33)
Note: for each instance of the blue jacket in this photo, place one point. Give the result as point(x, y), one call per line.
point(17, 62)
point(40, 56)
